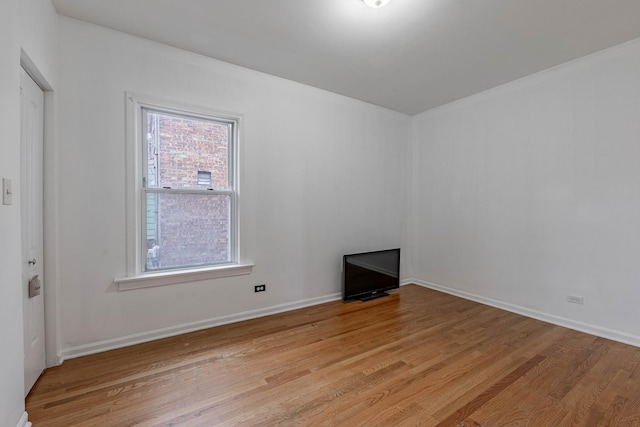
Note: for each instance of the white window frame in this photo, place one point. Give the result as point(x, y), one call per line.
point(136, 276)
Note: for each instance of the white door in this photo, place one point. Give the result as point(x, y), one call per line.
point(31, 196)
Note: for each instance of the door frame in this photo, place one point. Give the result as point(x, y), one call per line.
point(50, 211)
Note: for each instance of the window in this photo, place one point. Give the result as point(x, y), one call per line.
point(187, 225)
point(182, 192)
point(204, 178)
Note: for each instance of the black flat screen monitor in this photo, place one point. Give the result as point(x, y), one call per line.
point(368, 275)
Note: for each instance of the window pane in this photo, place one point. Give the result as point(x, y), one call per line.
point(185, 230)
point(179, 147)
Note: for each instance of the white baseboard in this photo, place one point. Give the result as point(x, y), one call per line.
point(24, 421)
point(111, 344)
point(598, 331)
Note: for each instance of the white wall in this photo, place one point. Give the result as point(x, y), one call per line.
point(531, 191)
point(28, 25)
point(322, 175)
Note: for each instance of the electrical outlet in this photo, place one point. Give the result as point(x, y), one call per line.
point(260, 288)
point(575, 299)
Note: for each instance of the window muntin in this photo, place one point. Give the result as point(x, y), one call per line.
point(184, 222)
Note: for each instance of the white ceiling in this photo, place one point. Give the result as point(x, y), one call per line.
point(410, 55)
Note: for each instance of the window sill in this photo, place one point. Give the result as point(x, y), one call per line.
point(181, 276)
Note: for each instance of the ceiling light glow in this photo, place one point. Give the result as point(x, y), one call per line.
point(376, 3)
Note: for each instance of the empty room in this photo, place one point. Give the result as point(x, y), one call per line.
point(330, 212)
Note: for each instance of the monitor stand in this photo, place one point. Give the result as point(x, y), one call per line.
point(373, 296)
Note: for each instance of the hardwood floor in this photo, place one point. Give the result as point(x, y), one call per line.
point(418, 357)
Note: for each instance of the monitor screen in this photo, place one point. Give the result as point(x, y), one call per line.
point(368, 275)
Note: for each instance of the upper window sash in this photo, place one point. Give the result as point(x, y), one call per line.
point(155, 180)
